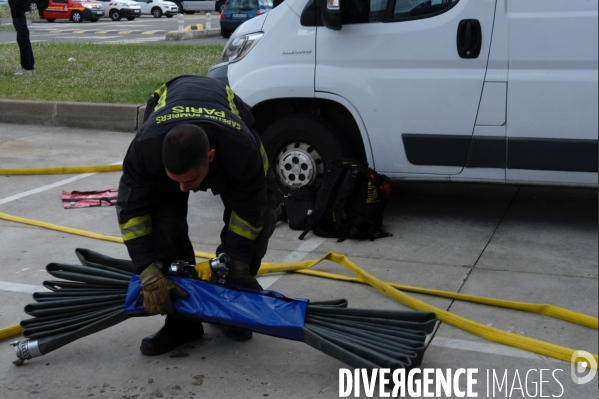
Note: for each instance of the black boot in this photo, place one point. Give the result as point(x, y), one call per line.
point(235, 333)
point(175, 332)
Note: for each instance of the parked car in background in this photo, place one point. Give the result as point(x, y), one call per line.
point(158, 8)
point(76, 11)
point(193, 6)
point(237, 12)
point(121, 9)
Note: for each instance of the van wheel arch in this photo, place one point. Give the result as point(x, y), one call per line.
point(268, 112)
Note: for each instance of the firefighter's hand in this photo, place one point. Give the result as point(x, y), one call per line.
point(239, 274)
point(157, 291)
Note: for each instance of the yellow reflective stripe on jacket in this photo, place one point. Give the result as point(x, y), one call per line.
point(162, 100)
point(231, 97)
point(240, 227)
point(136, 227)
point(264, 159)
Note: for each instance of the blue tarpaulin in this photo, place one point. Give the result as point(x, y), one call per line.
point(266, 312)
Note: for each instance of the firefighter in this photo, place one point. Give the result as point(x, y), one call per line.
point(196, 136)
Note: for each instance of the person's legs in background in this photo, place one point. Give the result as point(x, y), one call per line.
point(27, 59)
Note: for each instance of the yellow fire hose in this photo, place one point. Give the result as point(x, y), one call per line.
point(62, 170)
point(394, 291)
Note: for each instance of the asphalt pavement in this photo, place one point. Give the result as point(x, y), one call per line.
point(530, 244)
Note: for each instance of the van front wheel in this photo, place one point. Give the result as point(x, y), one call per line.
point(299, 147)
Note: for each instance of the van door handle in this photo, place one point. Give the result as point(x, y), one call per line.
point(469, 38)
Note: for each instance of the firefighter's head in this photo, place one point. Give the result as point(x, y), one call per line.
point(186, 156)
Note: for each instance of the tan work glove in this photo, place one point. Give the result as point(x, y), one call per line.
point(157, 291)
point(239, 274)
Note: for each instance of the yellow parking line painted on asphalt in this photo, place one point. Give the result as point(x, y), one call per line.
point(194, 27)
point(55, 31)
point(149, 32)
point(78, 31)
point(124, 32)
point(101, 32)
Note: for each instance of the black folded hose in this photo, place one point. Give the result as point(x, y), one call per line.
point(93, 299)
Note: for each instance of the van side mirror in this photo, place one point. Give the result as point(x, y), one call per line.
point(331, 15)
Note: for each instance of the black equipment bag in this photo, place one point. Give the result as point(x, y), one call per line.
point(298, 206)
point(350, 202)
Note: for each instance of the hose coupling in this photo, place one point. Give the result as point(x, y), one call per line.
point(218, 266)
point(25, 350)
point(179, 268)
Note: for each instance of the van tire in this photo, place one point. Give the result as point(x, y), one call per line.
point(156, 12)
point(115, 15)
point(76, 17)
point(312, 139)
point(225, 33)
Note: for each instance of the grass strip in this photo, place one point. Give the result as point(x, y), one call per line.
point(102, 73)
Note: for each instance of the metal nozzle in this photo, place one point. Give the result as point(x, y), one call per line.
point(25, 350)
point(218, 265)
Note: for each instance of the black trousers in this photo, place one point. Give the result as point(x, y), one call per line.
point(20, 24)
point(261, 243)
point(171, 232)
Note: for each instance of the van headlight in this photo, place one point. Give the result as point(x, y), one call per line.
point(237, 47)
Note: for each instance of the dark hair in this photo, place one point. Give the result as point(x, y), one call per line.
point(184, 148)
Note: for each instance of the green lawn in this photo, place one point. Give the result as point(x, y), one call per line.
point(104, 73)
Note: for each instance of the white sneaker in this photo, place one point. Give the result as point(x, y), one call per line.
point(23, 72)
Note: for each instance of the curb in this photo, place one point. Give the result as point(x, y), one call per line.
point(119, 117)
point(191, 34)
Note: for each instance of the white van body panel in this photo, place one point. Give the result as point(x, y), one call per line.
point(289, 69)
point(409, 78)
point(354, 112)
point(552, 82)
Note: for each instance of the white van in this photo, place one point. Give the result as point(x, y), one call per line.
point(466, 90)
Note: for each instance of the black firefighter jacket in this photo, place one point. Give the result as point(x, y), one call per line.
point(238, 172)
